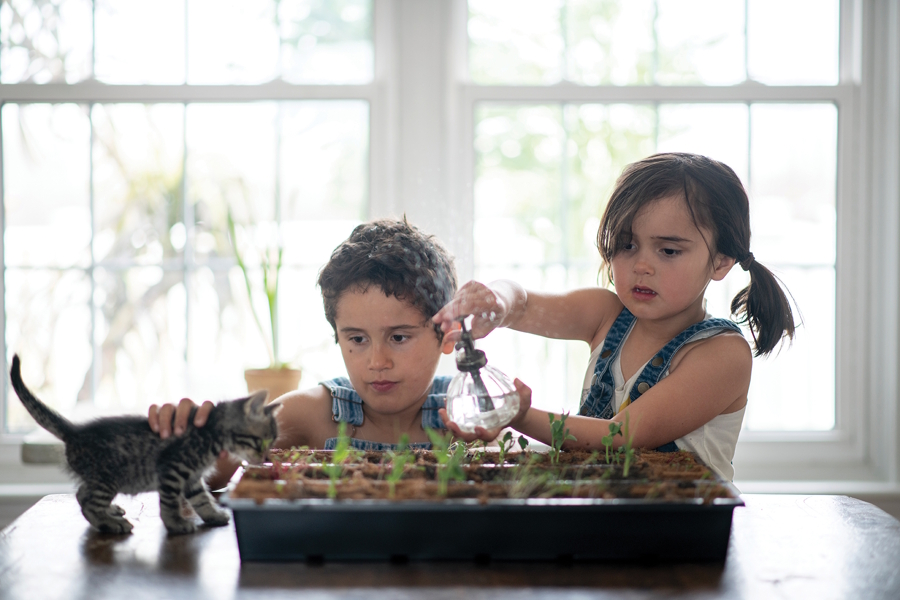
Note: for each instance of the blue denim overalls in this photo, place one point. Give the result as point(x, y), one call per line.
point(346, 406)
point(599, 403)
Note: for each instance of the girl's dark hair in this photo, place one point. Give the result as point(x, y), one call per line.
point(396, 257)
point(716, 201)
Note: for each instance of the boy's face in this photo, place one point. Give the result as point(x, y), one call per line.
point(390, 349)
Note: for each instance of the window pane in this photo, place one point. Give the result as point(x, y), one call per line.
point(537, 217)
point(324, 160)
point(610, 42)
point(700, 41)
point(720, 131)
point(140, 333)
point(793, 42)
point(229, 167)
point(46, 179)
point(140, 42)
point(602, 139)
point(42, 42)
point(48, 323)
point(518, 168)
point(515, 41)
point(301, 41)
point(642, 42)
point(138, 205)
point(792, 190)
point(326, 41)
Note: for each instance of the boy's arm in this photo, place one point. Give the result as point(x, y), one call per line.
point(582, 314)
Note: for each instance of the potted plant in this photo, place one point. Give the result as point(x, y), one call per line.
point(278, 377)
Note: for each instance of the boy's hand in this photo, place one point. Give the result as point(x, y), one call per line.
point(489, 435)
point(474, 298)
point(169, 418)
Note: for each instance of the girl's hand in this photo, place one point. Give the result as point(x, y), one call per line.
point(489, 435)
point(169, 418)
point(488, 307)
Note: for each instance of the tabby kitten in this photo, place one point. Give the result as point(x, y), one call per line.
point(122, 454)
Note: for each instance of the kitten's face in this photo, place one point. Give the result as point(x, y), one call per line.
point(254, 427)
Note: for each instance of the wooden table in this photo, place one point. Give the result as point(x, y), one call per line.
point(781, 547)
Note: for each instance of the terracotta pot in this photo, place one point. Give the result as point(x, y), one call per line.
point(276, 381)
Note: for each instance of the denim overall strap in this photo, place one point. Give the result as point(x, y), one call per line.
point(346, 405)
point(436, 400)
point(659, 365)
point(599, 403)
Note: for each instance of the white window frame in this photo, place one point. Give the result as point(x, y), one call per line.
point(422, 164)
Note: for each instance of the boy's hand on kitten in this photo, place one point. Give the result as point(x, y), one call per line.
point(169, 418)
point(477, 299)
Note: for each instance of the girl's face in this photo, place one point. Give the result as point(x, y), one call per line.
point(390, 349)
point(662, 273)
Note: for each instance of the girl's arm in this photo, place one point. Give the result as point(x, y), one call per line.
point(710, 377)
point(582, 314)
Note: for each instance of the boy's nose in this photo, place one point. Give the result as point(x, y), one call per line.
point(380, 359)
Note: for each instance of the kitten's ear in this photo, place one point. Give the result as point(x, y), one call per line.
point(271, 408)
point(256, 402)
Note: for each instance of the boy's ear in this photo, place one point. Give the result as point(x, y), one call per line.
point(447, 346)
point(721, 266)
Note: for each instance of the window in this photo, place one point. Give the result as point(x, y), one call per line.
point(498, 125)
point(120, 284)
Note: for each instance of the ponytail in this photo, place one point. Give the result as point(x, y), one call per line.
point(764, 307)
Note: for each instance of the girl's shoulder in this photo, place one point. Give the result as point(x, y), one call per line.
point(720, 347)
point(607, 307)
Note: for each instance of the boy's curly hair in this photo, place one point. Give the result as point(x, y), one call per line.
point(397, 257)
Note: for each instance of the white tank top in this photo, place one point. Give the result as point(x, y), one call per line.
point(714, 442)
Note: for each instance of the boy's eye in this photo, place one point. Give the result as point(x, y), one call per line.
point(399, 337)
point(357, 339)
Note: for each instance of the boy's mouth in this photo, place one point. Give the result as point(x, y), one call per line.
point(383, 386)
point(642, 293)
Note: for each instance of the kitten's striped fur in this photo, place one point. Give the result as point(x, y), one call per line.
point(123, 455)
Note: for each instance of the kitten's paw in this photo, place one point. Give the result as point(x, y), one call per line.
point(115, 510)
point(217, 519)
point(114, 525)
point(180, 527)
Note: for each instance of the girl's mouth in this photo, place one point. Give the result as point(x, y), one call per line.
point(383, 386)
point(642, 293)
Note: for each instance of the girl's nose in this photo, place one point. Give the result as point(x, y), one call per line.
point(642, 266)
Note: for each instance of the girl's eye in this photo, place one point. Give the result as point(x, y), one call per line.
point(671, 252)
point(628, 246)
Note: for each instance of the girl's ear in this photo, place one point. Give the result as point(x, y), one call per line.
point(721, 266)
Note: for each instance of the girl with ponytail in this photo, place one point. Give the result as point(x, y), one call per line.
point(679, 377)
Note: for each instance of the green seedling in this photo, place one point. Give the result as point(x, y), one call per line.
point(399, 459)
point(628, 449)
point(343, 452)
point(449, 457)
point(523, 442)
point(607, 440)
point(559, 435)
point(506, 444)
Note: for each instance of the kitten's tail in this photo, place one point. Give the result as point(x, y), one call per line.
point(45, 416)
